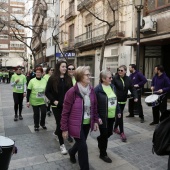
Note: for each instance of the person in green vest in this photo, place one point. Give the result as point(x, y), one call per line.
point(107, 107)
point(49, 71)
point(3, 76)
point(36, 98)
point(71, 70)
point(18, 82)
point(0, 76)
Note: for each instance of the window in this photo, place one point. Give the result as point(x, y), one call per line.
point(3, 36)
point(154, 4)
point(88, 31)
point(62, 9)
point(4, 1)
point(71, 34)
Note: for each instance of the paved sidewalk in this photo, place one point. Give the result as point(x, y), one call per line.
point(40, 150)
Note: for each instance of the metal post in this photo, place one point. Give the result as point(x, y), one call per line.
point(138, 39)
point(54, 55)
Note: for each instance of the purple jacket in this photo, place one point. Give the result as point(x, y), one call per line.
point(73, 111)
point(161, 82)
point(138, 78)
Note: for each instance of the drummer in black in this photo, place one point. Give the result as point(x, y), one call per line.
point(160, 85)
point(138, 81)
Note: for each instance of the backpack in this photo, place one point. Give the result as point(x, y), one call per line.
point(161, 138)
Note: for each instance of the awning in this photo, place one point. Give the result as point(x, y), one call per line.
point(156, 40)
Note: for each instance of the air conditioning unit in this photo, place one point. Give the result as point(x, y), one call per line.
point(148, 25)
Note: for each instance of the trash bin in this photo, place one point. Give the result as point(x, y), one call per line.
point(6, 150)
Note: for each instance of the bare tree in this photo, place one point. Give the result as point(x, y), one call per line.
point(109, 8)
point(15, 25)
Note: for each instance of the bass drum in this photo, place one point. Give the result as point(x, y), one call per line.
point(6, 150)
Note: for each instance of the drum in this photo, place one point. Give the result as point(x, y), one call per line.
point(152, 100)
point(129, 95)
point(6, 150)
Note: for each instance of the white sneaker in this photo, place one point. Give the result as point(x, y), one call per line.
point(63, 149)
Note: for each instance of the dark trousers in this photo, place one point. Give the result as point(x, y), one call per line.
point(37, 117)
point(48, 107)
point(136, 105)
point(80, 146)
point(18, 100)
point(57, 114)
point(162, 107)
point(105, 133)
point(119, 120)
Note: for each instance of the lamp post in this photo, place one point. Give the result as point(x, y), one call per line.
point(139, 7)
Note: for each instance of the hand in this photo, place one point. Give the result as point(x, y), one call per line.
point(160, 91)
point(24, 94)
point(56, 102)
point(28, 104)
point(152, 88)
point(96, 126)
point(100, 121)
point(17, 81)
point(136, 85)
point(65, 134)
point(119, 115)
point(136, 100)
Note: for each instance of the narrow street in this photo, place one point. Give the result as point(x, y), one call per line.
point(40, 150)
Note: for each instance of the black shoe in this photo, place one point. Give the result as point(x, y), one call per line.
point(36, 129)
point(142, 120)
point(49, 113)
point(72, 157)
point(16, 118)
point(70, 139)
point(20, 117)
point(105, 159)
point(44, 127)
point(130, 115)
point(153, 123)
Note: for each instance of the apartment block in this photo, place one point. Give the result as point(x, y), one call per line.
point(11, 50)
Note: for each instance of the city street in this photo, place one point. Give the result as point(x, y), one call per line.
point(40, 150)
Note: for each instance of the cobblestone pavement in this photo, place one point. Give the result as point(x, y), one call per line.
point(40, 151)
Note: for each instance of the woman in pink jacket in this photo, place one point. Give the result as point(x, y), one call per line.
point(79, 115)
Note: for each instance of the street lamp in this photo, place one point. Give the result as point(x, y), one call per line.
point(139, 7)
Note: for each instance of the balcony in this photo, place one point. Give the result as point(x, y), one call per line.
point(97, 35)
point(70, 12)
point(82, 3)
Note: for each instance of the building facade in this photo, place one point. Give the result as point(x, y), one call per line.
point(155, 37)
point(11, 50)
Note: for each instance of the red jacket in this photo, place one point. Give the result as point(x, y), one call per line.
point(73, 111)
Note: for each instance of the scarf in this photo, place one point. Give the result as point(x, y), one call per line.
point(85, 92)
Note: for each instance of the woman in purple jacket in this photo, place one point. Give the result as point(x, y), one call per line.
point(79, 115)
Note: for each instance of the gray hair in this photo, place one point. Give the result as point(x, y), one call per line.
point(103, 74)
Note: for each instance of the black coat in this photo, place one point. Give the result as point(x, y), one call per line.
point(102, 104)
point(122, 89)
point(52, 95)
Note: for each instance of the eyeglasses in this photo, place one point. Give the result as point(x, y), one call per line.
point(121, 70)
point(88, 75)
point(71, 68)
point(110, 78)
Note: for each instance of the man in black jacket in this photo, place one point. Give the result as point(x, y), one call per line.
point(122, 83)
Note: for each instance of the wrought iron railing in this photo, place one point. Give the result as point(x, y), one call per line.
point(70, 12)
point(97, 35)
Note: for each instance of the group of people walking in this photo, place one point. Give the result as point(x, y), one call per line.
point(79, 108)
